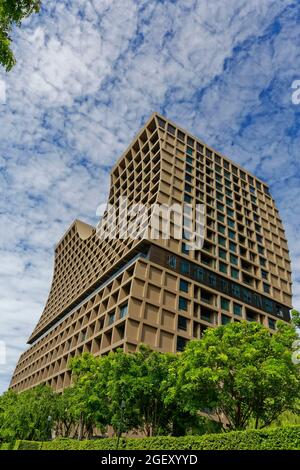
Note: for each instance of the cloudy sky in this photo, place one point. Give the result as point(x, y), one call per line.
point(89, 74)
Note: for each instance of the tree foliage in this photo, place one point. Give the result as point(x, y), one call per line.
point(28, 415)
point(127, 391)
point(13, 12)
point(239, 371)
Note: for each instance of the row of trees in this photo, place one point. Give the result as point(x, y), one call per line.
point(240, 374)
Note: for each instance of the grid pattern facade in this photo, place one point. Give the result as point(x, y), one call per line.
point(108, 294)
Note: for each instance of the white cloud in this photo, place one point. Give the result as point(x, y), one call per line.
point(2, 92)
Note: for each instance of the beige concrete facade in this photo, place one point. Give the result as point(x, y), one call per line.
point(108, 294)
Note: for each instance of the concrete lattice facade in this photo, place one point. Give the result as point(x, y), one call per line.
point(108, 294)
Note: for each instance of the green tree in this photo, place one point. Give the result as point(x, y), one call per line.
point(239, 371)
point(295, 316)
point(28, 415)
point(89, 401)
point(13, 12)
point(127, 391)
point(66, 416)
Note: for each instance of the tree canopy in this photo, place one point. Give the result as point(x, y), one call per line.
point(240, 373)
point(13, 12)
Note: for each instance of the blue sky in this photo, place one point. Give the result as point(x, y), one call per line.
point(90, 73)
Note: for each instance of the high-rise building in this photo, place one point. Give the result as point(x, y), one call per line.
point(120, 291)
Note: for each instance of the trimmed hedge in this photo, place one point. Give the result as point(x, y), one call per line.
point(284, 438)
point(27, 445)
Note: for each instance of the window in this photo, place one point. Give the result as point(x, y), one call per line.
point(225, 319)
point(212, 280)
point(185, 248)
point(235, 273)
point(171, 261)
point(180, 135)
point(220, 207)
point(237, 309)
point(257, 228)
point(190, 142)
point(182, 323)
point(187, 199)
point(264, 274)
point(230, 212)
point(171, 129)
point(222, 253)
point(187, 222)
point(123, 310)
point(279, 310)
point(223, 285)
point(266, 288)
point(261, 250)
point(111, 318)
point(183, 304)
point(189, 160)
point(221, 228)
point(161, 123)
point(199, 147)
point(186, 234)
point(222, 240)
point(268, 305)
point(220, 217)
point(272, 324)
point(185, 267)
point(189, 168)
point(231, 223)
point(184, 285)
point(262, 261)
point(233, 259)
point(189, 151)
point(199, 274)
point(225, 304)
point(188, 188)
point(231, 234)
point(181, 343)
point(232, 247)
point(236, 291)
point(223, 267)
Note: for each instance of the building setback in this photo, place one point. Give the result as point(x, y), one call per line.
point(118, 293)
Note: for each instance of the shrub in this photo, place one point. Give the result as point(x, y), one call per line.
point(27, 445)
point(7, 446)
point(285, 438)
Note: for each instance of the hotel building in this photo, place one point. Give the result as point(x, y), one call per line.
point(118, 293)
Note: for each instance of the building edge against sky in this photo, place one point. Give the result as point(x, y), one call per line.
point(109, 294)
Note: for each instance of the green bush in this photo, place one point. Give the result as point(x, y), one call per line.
point(27, 445)
point(284, 438)
point(280, 438)
point(7, 446)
